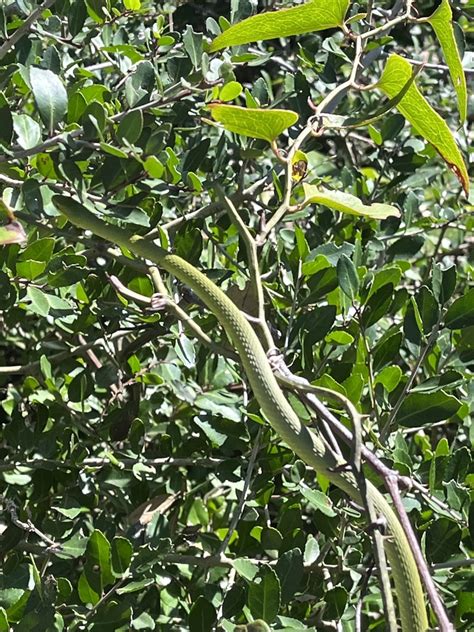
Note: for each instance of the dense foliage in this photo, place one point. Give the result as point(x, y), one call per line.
point(141, 487)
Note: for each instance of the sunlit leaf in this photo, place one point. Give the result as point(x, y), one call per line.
point(441, 21)
point(253, 122)
point(420, 409)
point(316, 15)
point(50, 96)
point(347, 203)
point(426, 122)
point(12, 233)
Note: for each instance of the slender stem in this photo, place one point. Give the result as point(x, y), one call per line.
point(97, 462)
point(243, 496)
point(390, 23)
point(406, 389)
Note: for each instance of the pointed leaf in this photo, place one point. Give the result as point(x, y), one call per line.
point(253, 122)
point(426, 122)
point(441, 21)
point(420, 409)
point(461, 313)
point(347, 203)
point(264, 595)
point(27, 130)
point(202, 616)
point(316, 15)
point(50, 96)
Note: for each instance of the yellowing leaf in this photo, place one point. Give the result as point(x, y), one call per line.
point(347, 203)
point(441, 21)
point(253, 122)
point(12, 233)
point(316, 15)
point(426, 122)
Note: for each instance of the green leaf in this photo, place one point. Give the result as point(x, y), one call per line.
point(27, 130)
point(390, 377)
point(461, 312)
point(230, 91)
point(245, 568)
point(290, 571)
point(154, 167)
point(122, 551)
point(131, 126)
point(4, 627)
point(420, 409)
point(441, 21)
point(98, 569)
point(39, 301)
point(264, 595)
point(202, 616)
point(347, 277)
point(318, 500)
point(50, 96)
point(316, 15)
point(253, 122)
point(132, 5)
point(192, 43)
point(346, 203)
point(426, 122)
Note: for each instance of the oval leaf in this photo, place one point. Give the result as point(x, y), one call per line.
point(27, 130)
point(253, 122)
point(420, 409)
point(461, 312)
point(264, 595)
point(347, 203)
point(316, 15)
point(441, 21)
point(426, 122)
point(50, 96)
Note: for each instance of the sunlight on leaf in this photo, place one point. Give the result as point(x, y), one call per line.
point(441, 21)
point(347, 203)
point(12, 233)
point(253, 122)
point(426, 122)
point(316, 15)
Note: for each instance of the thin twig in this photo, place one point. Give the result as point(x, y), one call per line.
point(392, 481)
point(23, 29)
point(243, 496)
point(122, 463)
point(254, 267)
point(406, 389)
point(28, 525)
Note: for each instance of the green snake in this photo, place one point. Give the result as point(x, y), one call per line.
point(306, 443)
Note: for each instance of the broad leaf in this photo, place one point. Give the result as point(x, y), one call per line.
point(264, 595)
point(441, 21)
point(426, 122)
point(50, 96)
point(420, 409)
point(347, 203)
point(253, 122)
point(316, 15)
point(27, 130)
point(461, 312)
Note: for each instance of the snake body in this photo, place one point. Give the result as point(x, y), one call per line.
point(306, 443)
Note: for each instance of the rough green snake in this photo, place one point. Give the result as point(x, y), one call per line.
point(306, 443)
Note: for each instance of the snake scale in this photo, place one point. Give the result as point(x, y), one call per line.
point(306, 443)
